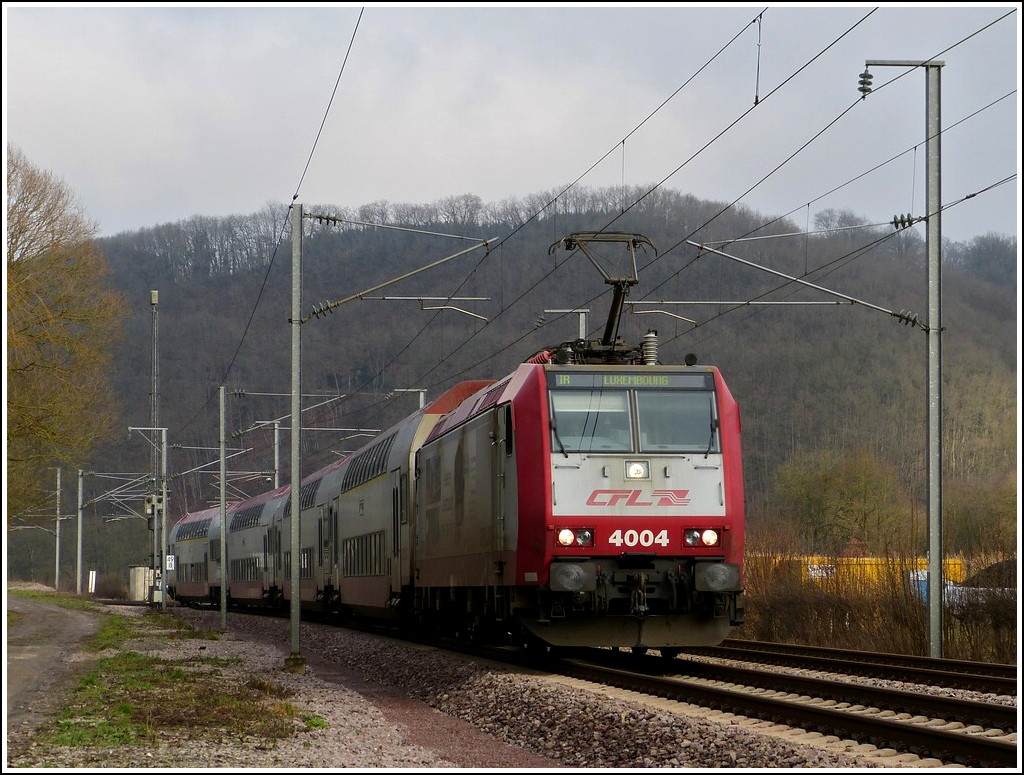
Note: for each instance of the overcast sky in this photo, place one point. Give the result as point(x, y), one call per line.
point(154, 113)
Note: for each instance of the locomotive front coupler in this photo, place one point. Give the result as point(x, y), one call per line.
point(638, 595)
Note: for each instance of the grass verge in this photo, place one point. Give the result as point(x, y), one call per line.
point(128, 698)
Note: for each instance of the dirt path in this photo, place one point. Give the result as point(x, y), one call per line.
point(36, 675)
point(43, 640)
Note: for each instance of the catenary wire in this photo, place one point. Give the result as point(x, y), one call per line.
point(661, 255)
point(543, 279)
point(512, 233)
point(282, 230)
point(675, 171)
point(499, 243)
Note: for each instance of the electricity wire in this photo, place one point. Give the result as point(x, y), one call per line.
point(563, 191)
point(282, 230)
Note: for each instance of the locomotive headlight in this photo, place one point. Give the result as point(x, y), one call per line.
point(580, 536)
point(693, 536)
point(638, 469)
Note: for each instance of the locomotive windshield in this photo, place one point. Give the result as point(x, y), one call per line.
point(592, 420)
point(661, 414)
point(677, 421)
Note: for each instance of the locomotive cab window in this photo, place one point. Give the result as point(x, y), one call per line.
point(677, 421)
point(591, 421)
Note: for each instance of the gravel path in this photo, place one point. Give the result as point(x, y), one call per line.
point(392, 705)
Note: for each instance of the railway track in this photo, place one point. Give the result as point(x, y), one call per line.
point(917, 733)
point(962, 711)
point(955, 674)
point(954, 731)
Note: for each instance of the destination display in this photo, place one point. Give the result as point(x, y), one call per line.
point(592, 380)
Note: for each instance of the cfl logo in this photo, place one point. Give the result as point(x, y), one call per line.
point(633, 498)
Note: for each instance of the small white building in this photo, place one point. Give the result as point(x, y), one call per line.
point(140, 585)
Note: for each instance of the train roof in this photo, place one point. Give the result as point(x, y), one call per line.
point(196, 516)
point(443, 404)
point(454, 396)
point(487, 395)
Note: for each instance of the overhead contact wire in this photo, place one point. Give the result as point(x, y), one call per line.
point(282, 231)
point(568, 187)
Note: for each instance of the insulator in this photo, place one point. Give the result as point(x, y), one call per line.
point(865, 84)
point(649, 348)
point(908, 318)
point(564, 355)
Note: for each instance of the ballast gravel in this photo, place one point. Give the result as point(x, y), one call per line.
point(391, 705)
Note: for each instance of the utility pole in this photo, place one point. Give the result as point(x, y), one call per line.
point(154, 421)
point(933, 242)
point(78, 561)
point(56, 555)
point(223, 519)
point(163, 517)
point(277, 454)
point(296, 662)
point(156, 501)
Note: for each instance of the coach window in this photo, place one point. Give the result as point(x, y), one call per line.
point(677, 421)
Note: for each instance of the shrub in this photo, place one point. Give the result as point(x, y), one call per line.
point(110, 586)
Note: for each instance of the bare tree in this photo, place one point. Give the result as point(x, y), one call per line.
point(61, 323)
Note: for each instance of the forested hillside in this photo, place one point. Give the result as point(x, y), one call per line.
point(833, 389)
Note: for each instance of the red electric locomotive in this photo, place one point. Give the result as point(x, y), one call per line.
point(593, 497)
point(594, 505)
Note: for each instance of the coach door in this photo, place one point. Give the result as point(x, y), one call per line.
point(327, 526)
point(336, 547)
point(501, 456)
point(396, 548)
point(272, 556)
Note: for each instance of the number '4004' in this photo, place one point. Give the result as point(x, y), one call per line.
point(638, 538)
